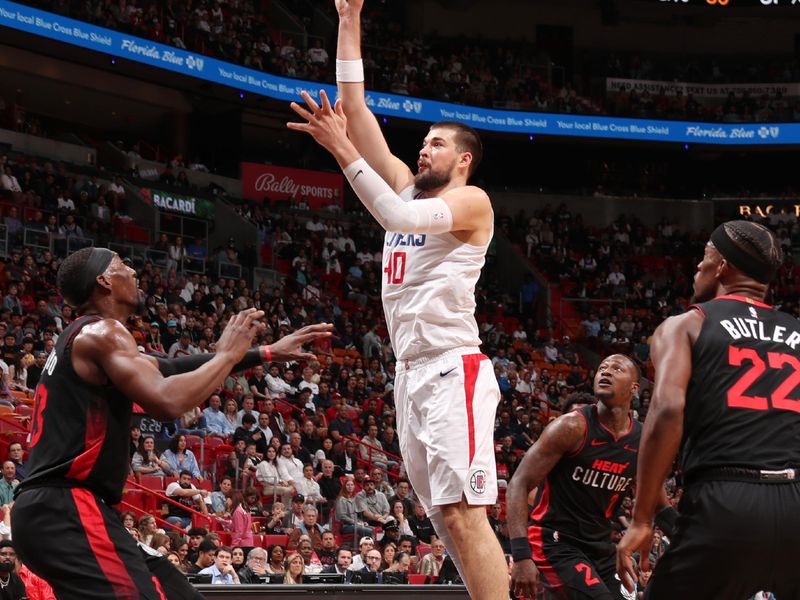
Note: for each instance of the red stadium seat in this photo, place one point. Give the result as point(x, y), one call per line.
point(271, 540)
point(154, 482)
point(417, 579)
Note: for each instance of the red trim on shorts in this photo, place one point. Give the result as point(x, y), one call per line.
point(96, 429)
point(101, 545)
point(157, 585)
point(540, 558)
point(540, 510)
point(472, 365)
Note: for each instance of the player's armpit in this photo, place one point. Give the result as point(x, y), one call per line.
point(563, 436)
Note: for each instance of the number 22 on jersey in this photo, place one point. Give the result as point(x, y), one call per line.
point(395, 268)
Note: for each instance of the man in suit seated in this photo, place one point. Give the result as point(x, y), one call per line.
point(344, 556)
point(371, 572)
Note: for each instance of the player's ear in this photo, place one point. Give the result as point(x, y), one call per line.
point(465, 161)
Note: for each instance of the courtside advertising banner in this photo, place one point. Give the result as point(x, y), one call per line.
point(269, 182)
point(129, 47)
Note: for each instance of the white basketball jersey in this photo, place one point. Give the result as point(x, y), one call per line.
point(429, 290)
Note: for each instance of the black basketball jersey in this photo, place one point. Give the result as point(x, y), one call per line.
point(583, 491)
point(742, 404)
point(80, 432)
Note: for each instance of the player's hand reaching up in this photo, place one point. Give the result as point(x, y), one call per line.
point(290, 347)
point(638, 537)
point(327, 125)
point(237, 338)
point(524, 579)
point(347, 8)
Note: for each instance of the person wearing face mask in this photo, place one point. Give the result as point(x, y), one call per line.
point(11, 585)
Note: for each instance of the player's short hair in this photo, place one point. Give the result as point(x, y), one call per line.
point(466, 139)
point(72, 277)
point(578, 398)
point(757, 241)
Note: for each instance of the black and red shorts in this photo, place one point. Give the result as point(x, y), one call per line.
point(568, 571)
point(76, 542)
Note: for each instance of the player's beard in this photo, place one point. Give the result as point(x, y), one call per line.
point(431, 180)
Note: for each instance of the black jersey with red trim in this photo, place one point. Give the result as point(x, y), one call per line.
point(80, 434)
point(583, 491)
point(743, 402)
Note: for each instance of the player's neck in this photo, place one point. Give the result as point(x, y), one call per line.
point(439, 192)
point(108, 309)
point(616, 418)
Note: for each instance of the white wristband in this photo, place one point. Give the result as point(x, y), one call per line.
point(349, 71)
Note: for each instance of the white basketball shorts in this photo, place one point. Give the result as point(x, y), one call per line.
point(446, 407)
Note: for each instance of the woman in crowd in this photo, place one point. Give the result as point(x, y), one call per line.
point(161, 543)
point(145, 461)
point(231, 413)
point(252, 503)
point(325, 452)
point(175, 560)
point(294, 569)
point(237, 557)
point(179, 458)
point(399, 513)
point(275, 554)
point(221, 499)
point(346, 512)
point(148, 528)
point(128, 519)
point(273, 476)
point(240, 523)
point(389, 550)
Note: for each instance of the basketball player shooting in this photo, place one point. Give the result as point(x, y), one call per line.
point(437, 231)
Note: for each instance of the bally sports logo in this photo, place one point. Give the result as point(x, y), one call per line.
point(270, 182)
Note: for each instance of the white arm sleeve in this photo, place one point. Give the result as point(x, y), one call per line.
point(431, 215)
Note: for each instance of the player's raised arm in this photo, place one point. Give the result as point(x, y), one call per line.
point(362, 127)
point(561, 437)
point(462, 208)
point(107, 350)
point(671, 351)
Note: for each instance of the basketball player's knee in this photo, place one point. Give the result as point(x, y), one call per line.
point(461, 517)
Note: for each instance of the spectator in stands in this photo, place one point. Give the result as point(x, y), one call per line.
point(148, 528)
point(244, 433)
point(499, 526)
point(294, 569)
point(292, 465)
point(308, 527)
point(421, 525)
point(185, 493)
point(231, 415)
point(347, 514)
point(329, 484)
point(11, 583)
point(206, 553)
point(371, 449)
point(179, 458)
point(237, 557)
point(308, 487)
point(344, 558)
point(397, 573)
point(371, 572)
point(327, 551)
point(183, 347)
point(311, 562)
point(241, 522)
point(9, 483)
point(221, 500)
point(216, 424)
point(145, 461)
point(258, 383)
point(276, 385)
point(196, 536)
point(276, 423)
point(372, 505)
point(255, 568)
point(248, 408)
point(192, 422)
point(274, 478)
point(15, 455)
point(222, 571)
point(9, 182)
point(398, 512)
point(379, 477)
point(432, 562)
point(342, 426)
point(35, 370)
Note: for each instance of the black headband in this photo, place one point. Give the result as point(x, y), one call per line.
point(98, 262)
point(748, 264)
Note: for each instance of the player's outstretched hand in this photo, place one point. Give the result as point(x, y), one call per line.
point(638, 537)
point(524, 579)
point(290, 347)
point(349, 7)
point(237, 338)
point(325, 123)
